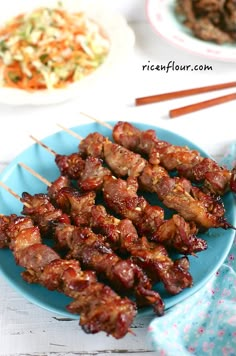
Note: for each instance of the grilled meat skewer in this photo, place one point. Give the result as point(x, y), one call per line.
point(91, 178)
point(45, 267)
point(187, 162)
point(176, 193)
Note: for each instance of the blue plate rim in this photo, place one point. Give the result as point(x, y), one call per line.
point(9, 171)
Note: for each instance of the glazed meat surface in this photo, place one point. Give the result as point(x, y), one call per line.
point(121, 196)
point(188, 163)
point(44, 266)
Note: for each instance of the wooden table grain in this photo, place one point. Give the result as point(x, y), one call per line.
point(26, 329)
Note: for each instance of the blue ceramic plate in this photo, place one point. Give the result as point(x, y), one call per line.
point(202, 267)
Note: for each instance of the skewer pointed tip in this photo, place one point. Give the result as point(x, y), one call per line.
point(131, 332)
point(71, 132)
point(103, 123)
point(43, 145)
point(35, 174)
point(14, 194)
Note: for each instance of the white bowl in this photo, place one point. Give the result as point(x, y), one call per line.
point(114, 24)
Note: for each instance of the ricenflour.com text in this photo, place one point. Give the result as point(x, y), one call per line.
point(173, 66)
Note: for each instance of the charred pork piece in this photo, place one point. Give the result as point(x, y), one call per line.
point(121, 236)
point(93, 174)
point(71, 165)
point(87, 172)
point(230, 17)
point(233, 180)
point(121, 161)
point(188, 163)
point(92, 145)
point(42, 212)
point(45, 267)
point(176, 193)
point(123, 274)
point(77, 205)
point(121, 196)
point(72, 202)
point(5, 221)
point(125, 164)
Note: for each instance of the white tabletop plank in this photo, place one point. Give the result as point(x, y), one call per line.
point(28, 329)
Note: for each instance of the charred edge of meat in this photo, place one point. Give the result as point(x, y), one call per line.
point(44, 266)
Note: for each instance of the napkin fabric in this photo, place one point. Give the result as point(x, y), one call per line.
point(205, 323)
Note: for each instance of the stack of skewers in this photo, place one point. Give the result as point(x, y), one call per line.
point(110, 245)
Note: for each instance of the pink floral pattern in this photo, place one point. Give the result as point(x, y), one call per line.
point(204, 324)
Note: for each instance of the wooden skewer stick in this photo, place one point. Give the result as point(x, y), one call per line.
point(50, 150)
point(46, 182)
point(72, 133)
point(14, 194)
point(103, 123)
point(35, 174)
point(201, 105)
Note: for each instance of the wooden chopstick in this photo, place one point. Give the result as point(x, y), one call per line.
point(182, 93)
point(201, 105)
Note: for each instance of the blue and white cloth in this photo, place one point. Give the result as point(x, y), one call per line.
point(205, 323)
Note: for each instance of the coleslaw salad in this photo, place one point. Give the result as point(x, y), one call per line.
point(50, 48)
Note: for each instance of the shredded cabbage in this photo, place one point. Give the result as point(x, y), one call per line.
point(50, 48)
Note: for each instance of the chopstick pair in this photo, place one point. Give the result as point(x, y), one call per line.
point(193, 107)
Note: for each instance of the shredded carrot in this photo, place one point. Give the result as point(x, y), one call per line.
point(50, 48)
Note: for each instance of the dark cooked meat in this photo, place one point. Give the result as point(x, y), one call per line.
point(209, 20)
point(123, 274)
point(70, 165)
point(205, 29)
point(123, 237)
point(87, 172)
point(191, 203)
point(92, 145)
point(122, 161)
point(4, 223)
point(121, 197)
point(148, 144)
point(76, 204)
point(176, 193)
point(42, 212)
point(233, 180)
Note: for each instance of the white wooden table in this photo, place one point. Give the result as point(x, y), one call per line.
point(25, 329)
